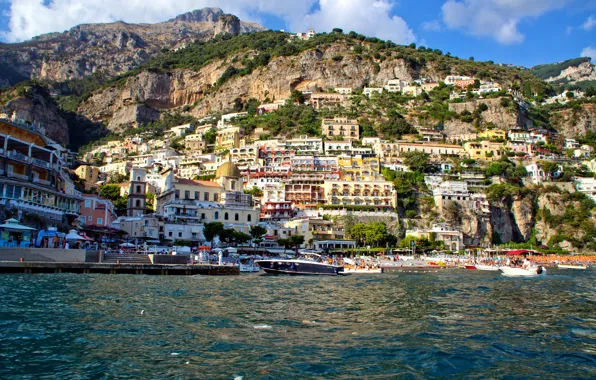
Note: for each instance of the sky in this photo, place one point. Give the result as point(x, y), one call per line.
point(519, 32)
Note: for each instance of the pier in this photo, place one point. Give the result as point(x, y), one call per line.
point(47, 260)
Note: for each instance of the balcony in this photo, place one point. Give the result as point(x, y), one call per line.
point(42, 181)
point(41, 163)
point(19, 176)
point(18, 156)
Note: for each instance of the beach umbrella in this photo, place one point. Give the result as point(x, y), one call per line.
point(73, 235)
point(13, 225)
point(127, 245)
point(204, 248)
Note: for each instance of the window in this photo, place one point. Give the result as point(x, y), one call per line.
point(138, 203)
point(139, 189)
point(82, 219)
point(215, 197)
point(226, 216)
point(187, 194)
point(206, 196)
point(203, 216)
point(180, 234)
point(177, 194)
point(233, 185)
point(216, 215)
point(236, 217)
point(90, 218)
point(87, 203)
point(249, 218)
point(197, 196)
point(99, 221)
point(170, 234)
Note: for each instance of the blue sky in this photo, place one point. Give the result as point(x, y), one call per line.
point(521, 32)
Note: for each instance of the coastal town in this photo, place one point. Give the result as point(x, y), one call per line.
point(263, 190)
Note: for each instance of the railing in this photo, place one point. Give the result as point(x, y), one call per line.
point(18, 156)
point(42, 181)
point(40, 162)
point(19, 176)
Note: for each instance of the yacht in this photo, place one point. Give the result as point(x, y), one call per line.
point(304, 264)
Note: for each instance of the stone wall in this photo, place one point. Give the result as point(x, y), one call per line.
point(43, 254)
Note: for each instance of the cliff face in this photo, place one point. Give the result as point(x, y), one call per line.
point(574, 122)
point(512, 220)
point(35, 107)
point(306, 71)
point(573, 74)
point(501, 116)
point(113, 48)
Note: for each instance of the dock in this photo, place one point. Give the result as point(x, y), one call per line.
point(47, 260)
point(110, 268)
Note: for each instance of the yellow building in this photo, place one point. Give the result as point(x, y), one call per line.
point(379, 194)
point(89, 173)
point(228, 138)
point(359, 168)
point(195, 142)
point(31, 176)
point(493, 134)
point(485, 150)
point(341, 126)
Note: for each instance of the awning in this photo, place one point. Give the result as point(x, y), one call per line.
point(13, 224)
point(73, 235)
point(519, 252)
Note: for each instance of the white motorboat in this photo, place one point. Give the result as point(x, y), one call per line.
point(568, 266)
point(249, 268)
point(487, 267)
point(523, 272)
point(349, 270)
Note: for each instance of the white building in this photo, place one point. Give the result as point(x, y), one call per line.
point(368, 91)
point(395, 85)
point(586, 186)
point(452, 79)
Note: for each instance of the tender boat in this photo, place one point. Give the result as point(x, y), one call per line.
point(348, 270)
point(487, 267)
point(523, 272)
point(568, 266)
point(305, 264)
point(472, 267)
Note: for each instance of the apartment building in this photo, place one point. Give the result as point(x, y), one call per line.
point(342, 127)
point(379, 194)
point(96, 211)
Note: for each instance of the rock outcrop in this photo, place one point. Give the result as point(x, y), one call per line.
point(111, 48)
point(37, 108)
point(309, 70)
point(496, 114)
point(573, 122)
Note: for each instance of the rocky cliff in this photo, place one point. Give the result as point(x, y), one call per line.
point(576, 121)
point(36, 106)
point(112, 48)
point(309, 70)
point(502, 117)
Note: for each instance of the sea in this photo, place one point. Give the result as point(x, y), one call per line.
point(446, 324)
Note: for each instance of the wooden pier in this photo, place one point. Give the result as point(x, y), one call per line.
point(110, 268)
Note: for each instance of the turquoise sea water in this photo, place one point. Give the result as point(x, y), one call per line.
point(450, 324)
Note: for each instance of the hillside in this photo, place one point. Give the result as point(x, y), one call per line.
point(574, 73)
point(113, 48)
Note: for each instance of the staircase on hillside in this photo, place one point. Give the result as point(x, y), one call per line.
point(127, 258)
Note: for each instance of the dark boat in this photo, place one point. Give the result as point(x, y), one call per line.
point(305, 264)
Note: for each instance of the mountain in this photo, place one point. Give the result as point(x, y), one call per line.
point(579, 72)
point(112, 48)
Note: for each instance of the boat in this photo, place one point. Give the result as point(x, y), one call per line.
point(249, 268)
point(351, 270)
point(487, 267)
point(305, 264)
point(470, 267)
point(569, 266)
point(523, 272)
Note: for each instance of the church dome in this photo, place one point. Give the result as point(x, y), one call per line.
point(227, 169)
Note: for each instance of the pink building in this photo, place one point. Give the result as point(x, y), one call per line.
point(520, 147)
point(96, 211)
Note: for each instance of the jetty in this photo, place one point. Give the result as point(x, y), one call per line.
point(49, 260)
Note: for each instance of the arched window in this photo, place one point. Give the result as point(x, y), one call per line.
point(233, 185)
point(138, 178)
point(138, 203)
point(138, 189)
point(226, 216)
point(249, 218)
point(236, 217)
point(216, 215)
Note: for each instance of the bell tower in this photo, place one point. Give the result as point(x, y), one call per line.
point(137, 192)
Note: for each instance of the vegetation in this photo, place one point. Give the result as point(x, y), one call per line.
point(553, 70)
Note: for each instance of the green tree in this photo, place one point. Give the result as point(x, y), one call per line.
point(210, 136)
point(297, 97)
point(241, 238)
point(255, 192)
point(257, 232)
point(111, 192)
point(296, 241)
point(285, 242)
point(211, 230)
point(417, 161)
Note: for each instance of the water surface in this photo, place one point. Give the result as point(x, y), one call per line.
point(448, 324)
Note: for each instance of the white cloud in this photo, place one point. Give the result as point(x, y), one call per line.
point(29, 18)
point(590, 23)
point(589, 52)
point(431, 26)
point(368, 17)
point(498, 19)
